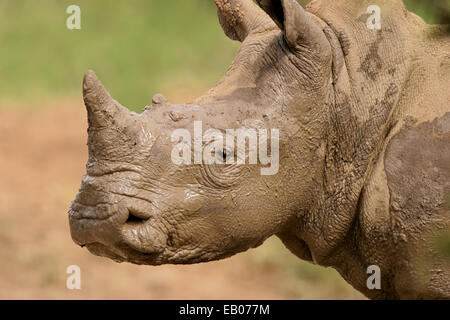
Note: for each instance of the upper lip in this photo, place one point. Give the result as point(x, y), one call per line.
point(75, 215)
point(80, 211)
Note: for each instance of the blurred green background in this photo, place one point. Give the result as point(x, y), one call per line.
point(137, 47)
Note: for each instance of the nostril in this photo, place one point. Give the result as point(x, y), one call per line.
point(134, 219)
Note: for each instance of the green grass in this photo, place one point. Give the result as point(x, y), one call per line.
point(433, 12)
point(442, 244)
point(137, 47)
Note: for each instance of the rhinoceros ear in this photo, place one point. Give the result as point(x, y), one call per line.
point(296, 24)
point(239, 18)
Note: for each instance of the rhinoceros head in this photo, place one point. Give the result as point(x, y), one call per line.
point(137, 204)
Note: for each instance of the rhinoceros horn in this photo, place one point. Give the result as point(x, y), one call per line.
point(102, 109)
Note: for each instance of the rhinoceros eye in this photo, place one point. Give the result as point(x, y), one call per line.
point(224, 155)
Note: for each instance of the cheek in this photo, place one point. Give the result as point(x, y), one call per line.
point(260, 219)
point(217, 222)
point(191, 202)
point(183, 204)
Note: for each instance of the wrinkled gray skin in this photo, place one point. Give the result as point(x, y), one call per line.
point(364, 173)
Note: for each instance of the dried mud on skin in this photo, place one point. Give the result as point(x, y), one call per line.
point(42, 156)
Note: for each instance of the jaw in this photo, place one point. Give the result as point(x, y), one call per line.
point(142, 245)
point(122, 252)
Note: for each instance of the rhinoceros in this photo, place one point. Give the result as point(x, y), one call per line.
point(363, 180)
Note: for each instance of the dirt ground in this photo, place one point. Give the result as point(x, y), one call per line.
point(42, 159)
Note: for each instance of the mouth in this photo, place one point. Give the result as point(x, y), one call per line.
point(117, 232)
point(136, 218)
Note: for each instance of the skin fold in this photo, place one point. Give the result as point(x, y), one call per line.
point(364, 151)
